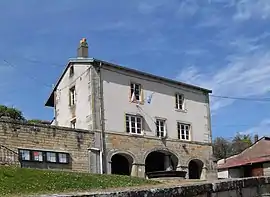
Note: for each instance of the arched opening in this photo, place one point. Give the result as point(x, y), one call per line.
point(160, 161)
point(195, 167)
point(121, 164)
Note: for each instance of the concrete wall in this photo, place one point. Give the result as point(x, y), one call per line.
point(249, 187)
point(75, 142)
point(223, 174)
point(116, 87)
point(81, 111)
point(231, 173)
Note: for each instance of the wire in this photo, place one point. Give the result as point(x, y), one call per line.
point(31, 77)
point(211, 95)
point(74, 80)
point(241, 98)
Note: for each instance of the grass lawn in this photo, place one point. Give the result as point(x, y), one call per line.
point(21, 181)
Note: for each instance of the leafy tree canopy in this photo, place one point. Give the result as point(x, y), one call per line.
point(11, 112)
point(223, 148)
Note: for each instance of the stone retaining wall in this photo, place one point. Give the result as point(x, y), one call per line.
point(248, 187)
point(75, 142)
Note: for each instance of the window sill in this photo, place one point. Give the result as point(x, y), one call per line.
point(137, 134)
point(72, 106)
point(138, 102)
point(181, 110)
point(184, 140)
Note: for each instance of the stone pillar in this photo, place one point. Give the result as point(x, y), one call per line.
point(141, 170)
point(167, 163)
point(109, 167)
point(134, 170)
point(203, 173)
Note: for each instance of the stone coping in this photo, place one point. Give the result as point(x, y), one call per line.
point(45, 126)
point(191, 189)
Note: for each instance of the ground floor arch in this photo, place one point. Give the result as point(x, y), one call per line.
point(195, 168)
point(121, 164)
point(160, 161)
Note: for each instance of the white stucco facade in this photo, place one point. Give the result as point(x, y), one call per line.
point(116, 90)
point(116, 100)
point(80, 112)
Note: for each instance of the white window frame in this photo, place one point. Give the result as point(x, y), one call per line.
point(137, 127)
point(72, 96)
point(159, 132)
point(184, 131)
point(179, 101)
point(133, 88)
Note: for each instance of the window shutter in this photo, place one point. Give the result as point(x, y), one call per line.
point(129, 93)
point(142, 95)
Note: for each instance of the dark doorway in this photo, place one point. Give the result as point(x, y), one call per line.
point(155, 161)
point(253, 170)
point(195, 169)
point(120, 165)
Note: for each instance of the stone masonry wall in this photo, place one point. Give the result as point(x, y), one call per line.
point(248, 187)
point(138, 147)
point(76, 142)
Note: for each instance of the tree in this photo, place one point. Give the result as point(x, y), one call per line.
point(240, 143)
point(11, 112)
point(35, 121)
point(221, 148)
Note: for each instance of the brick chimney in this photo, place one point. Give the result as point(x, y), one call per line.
point(82, 51)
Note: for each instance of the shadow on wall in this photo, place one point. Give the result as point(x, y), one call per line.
point(195, 168)
point(160, 160)
point(121, 164)
point(122, 78)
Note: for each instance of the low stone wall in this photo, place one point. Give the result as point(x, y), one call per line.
point(75, 142)
point(248, 187)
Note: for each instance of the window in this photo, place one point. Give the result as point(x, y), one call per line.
point(73, 124)
point(133, 124)
point(179, 101)
point(71, 71)
point(72, 96)
point(63, 158)
point(160, 128)
point(136, 90)
point(183, 131)
point(37, 156)
point(51, 157)
point(25, 155)
point(44, 156)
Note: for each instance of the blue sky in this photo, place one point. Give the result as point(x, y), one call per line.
point(218, 44)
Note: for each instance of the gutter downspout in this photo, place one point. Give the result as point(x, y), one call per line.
point(102, 139)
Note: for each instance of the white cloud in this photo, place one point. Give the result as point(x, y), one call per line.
point(188, 8)
point(148, 8)
point(246, 74)
point(247, 9)
point(262, 129)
